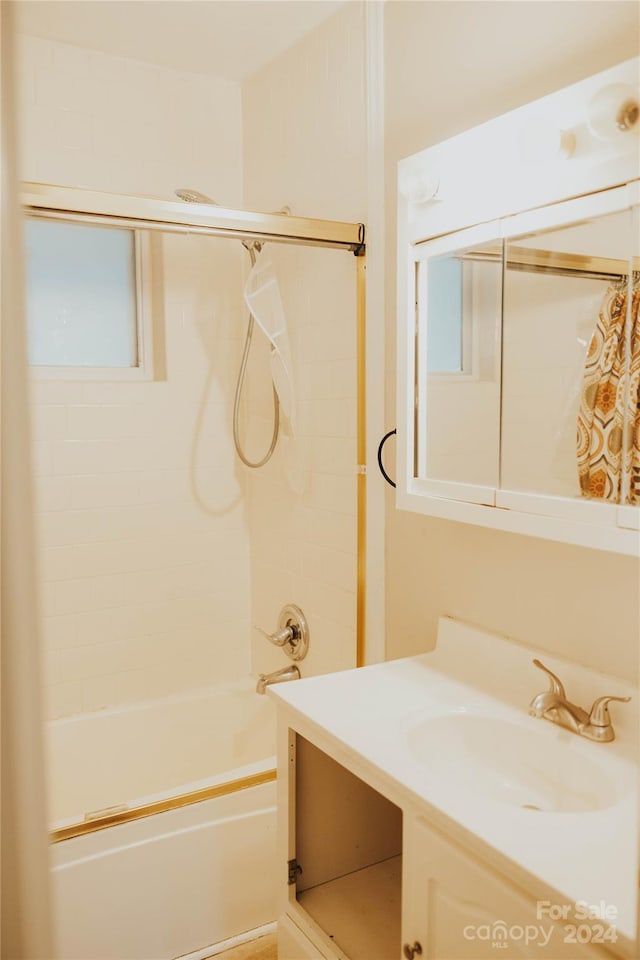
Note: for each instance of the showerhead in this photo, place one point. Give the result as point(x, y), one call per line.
point(194, 196)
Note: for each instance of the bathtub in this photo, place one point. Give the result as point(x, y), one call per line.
point(176, 882)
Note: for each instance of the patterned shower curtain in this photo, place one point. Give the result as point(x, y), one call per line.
point(608, 441)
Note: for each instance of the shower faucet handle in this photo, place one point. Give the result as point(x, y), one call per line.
point(280, 637)
point(292, 633)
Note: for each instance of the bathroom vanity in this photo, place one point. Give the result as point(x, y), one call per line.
point(424, 813)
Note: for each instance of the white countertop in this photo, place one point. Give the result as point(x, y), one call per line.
point(588, 856)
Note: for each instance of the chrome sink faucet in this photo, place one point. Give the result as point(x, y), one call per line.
point(553, 705)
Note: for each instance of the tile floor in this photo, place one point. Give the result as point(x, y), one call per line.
point(264, 948)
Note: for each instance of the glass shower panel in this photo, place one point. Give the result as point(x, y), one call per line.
point(303, 506)
point(562, 289)
point(160, 553)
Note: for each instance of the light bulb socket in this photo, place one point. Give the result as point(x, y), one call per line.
point(628, 115)
point(613, 111)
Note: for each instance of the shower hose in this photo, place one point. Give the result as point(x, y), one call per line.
point(254, 464)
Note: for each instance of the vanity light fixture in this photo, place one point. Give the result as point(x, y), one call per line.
point(613, 111)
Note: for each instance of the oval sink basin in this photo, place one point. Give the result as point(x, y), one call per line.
point(511, 763)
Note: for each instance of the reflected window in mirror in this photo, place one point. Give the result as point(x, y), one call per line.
point(449, 307)
point(458, 380)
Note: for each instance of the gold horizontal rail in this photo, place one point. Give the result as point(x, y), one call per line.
point(160, 806)
point(146, 213)
point(523, 258)
point(554, 262)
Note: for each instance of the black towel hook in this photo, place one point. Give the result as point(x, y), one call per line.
point(380, 464)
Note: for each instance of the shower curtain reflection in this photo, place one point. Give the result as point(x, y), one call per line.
point(608, 438)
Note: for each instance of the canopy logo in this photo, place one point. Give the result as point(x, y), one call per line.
point(499, 934)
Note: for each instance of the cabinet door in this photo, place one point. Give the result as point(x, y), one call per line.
point(458, 909)
point(293, 944)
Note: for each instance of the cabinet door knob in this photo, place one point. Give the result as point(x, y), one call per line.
point(411, 952)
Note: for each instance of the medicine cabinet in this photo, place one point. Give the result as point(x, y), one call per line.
point(519, 333)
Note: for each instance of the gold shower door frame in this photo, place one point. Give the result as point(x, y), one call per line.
point(143, 213)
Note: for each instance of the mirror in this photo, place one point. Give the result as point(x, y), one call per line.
point(519, 339)
point(564, 400)
point(459, 301)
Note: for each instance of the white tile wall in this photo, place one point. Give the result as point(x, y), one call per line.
point(103, 122)
point(145, 580)
point(305, 145)
point(304, 124)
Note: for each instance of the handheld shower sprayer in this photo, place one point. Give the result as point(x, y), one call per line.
point(253, 247)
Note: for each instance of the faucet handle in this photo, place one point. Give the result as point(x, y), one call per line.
point(292, 633)
point(599, 716)
point(557, 686)
point(280, 637)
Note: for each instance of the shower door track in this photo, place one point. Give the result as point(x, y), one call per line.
point(145, 213)
point(159, 806)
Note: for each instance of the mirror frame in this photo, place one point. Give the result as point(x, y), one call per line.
point(613, 187)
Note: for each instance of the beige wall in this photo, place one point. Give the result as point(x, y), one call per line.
point(145, 590)
point(304, 145)
point(25, 908)
point(449, 66)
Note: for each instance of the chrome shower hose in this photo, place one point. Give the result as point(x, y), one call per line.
point(254, 464)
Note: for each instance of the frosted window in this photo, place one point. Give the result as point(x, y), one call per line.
point(444, 309)
point(81, 295)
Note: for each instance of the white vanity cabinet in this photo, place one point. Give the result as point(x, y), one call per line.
point(458, 908)
point(420, 803)
point(365, 877)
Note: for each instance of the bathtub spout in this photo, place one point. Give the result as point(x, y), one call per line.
point(279, 676)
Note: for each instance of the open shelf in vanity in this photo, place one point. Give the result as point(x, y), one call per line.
point(348, 856)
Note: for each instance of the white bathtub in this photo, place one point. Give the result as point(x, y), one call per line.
point(176, 882)
point(160, 748)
